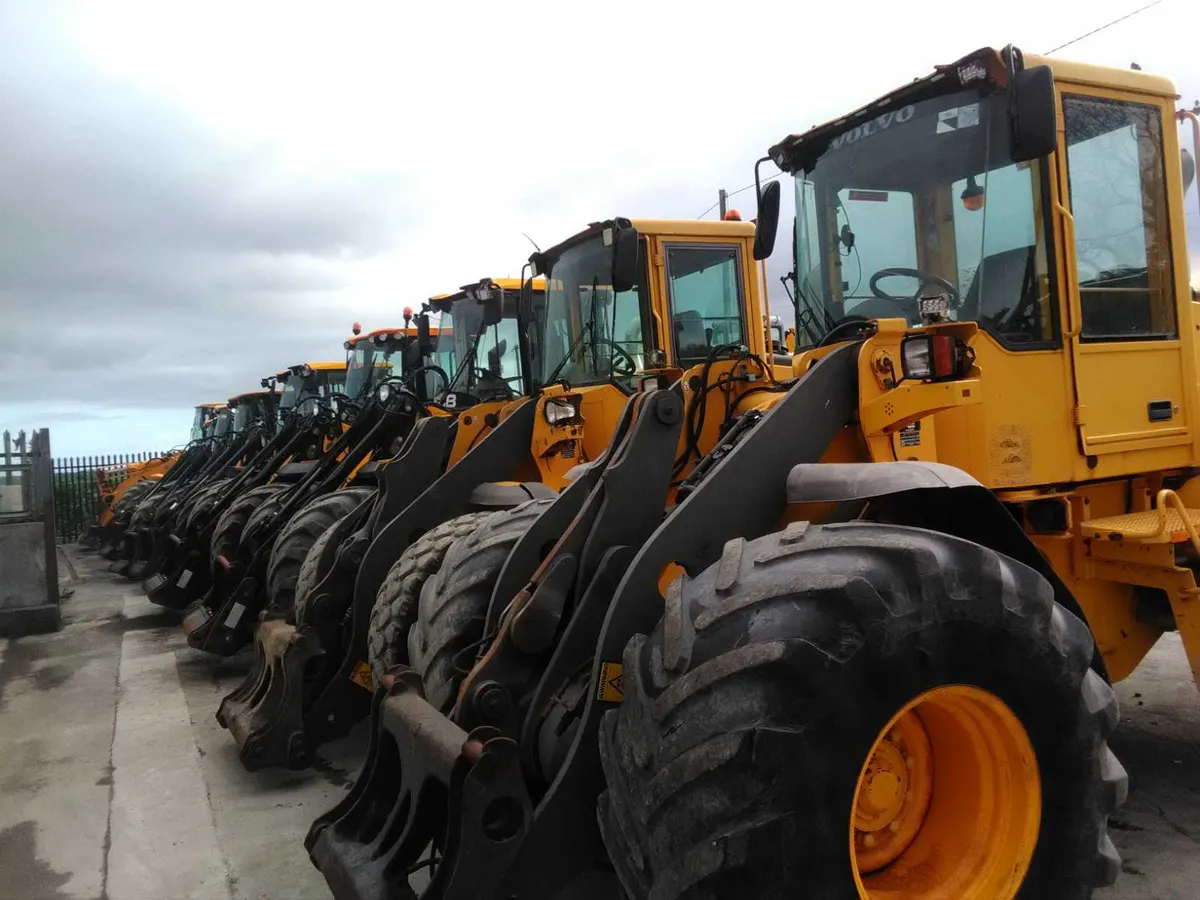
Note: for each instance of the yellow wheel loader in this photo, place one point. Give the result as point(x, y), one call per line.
point(868, 650)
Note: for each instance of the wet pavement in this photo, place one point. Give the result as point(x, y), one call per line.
point(117, 783)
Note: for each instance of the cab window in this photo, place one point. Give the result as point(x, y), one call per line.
point(1118, 201)
point(705, 291)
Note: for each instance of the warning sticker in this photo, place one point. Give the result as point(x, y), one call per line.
point(362, 677)
point(1010, 454)
point(612, 686)
point(184, 578)
point(958, 118)
point(910, 435)
point(235, 615)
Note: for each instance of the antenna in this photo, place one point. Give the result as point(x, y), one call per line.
point(532, 241)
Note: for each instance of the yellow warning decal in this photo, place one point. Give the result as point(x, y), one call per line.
point(362, 677)
point(612, 686)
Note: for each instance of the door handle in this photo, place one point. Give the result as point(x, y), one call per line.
point(1160, 410)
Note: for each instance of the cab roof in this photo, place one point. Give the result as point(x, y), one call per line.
point(507, 284)
point(694, 227)
point(1105, 76)
point(798, 151)
point(543, 260)
point(216, 404)
point(237, 398)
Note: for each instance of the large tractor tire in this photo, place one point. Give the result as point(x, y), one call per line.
point(237, 516)
point(395, 608)
point(132, 496)
point(453, 605)
point(201, 502)
point(861, 710)
point(298, 537)
point(306, 580)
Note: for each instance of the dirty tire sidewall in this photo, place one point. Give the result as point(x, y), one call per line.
point(233, 521)
point(395, 607)
point(309, 575)
point(453, 605)
point(732, 760)
point(292, 547)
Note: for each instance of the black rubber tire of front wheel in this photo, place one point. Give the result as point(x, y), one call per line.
point(732, 761)
point(453, 605)
point(232, 522)
point(298, 537)
point(308, 577)
point(395, 608)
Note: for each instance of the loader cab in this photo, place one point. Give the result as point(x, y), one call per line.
point(202, 420)
point(391, 353)
point(628, 297)
point(480, 328)
point(252, 407)
point(1061, 263)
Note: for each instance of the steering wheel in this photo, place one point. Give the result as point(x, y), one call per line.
point(923, 278)
point(624, 365)
point(411, 378)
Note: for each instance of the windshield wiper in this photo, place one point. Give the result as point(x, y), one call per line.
point(468, 363)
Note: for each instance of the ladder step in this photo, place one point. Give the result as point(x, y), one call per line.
point(1142, 527)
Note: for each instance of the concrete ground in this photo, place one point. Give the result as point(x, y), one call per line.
point(116, 783)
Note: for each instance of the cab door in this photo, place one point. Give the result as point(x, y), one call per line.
point(706, 284)
point(1131, 376)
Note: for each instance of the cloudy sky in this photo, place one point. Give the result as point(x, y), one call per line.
point(194, 195)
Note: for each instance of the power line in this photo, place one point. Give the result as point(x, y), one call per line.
point(1102, 27)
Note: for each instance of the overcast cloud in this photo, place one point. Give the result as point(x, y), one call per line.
point(193, 196)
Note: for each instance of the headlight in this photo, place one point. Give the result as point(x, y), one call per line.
point(383, 393)
point(931, 357)
point(559, 411)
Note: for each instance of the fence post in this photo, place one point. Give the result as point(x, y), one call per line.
point(7, 457)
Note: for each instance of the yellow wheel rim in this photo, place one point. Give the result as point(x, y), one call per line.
point(948, 802)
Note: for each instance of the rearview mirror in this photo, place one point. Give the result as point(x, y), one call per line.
point(1034, 129)
point(767, 223)
point(625, 260)
point(1189, 169)
point(494, 357)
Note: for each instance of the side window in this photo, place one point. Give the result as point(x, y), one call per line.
point(1118, 201)
point(705, 289)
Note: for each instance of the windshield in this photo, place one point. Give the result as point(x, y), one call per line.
point(585, 332)
point(477, 357)
point(367, 364)
point(924, 200)
point(224, 418)
point(198, 419)
point(290, 395)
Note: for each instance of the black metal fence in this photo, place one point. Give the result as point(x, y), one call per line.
point(82, 486)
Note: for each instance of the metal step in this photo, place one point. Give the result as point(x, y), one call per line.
point(1154, 526)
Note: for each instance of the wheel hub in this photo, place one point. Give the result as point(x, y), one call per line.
point(894, 794)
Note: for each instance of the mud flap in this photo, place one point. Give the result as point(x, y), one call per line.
point(367, 845)
point(258, 711)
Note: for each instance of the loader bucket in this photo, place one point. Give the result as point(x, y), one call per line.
point(366, 846)
point(272, 696)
